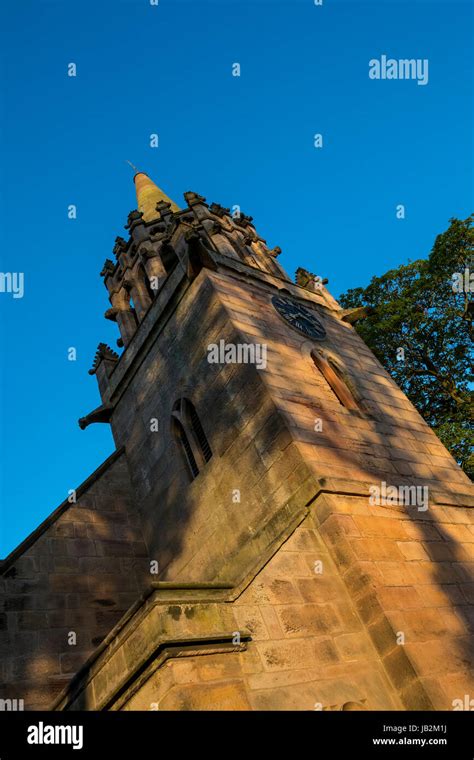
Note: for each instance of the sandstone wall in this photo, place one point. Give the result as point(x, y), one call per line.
point(308, 648)
point(389, 440)
point(198, 531)
point(314, 631)
point(388, 622)
point(410, 575)
point(409, 568)
point(78, 572)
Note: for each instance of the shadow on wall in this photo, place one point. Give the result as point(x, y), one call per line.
point(234, 406)
point(48, 594)
point(64, 593)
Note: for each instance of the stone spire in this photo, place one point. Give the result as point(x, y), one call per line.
point(148, 195)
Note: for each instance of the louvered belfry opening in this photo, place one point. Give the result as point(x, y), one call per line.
point(335, 381)
point(190, 436)
point(186, 447)
point(199, 433)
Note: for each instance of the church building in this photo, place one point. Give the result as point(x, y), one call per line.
point(277, 528)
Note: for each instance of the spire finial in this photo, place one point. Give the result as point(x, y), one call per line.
point(132, 165)
point(148, 195)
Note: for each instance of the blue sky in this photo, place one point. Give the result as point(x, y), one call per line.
point(245, 140)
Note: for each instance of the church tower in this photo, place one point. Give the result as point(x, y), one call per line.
point(302, 538)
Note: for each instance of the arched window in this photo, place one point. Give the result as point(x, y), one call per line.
point(334, 377)
point(199, 433)
point(168, 257)
point(190, 436)
point(133, 312)
point(186, 447)
point(144, 278)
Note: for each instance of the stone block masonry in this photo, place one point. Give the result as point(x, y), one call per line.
point(76, 574)
point(281, 583)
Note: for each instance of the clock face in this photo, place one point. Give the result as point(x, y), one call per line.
point(299, 317)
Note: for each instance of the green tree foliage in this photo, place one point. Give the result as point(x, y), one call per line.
point(423, 309)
